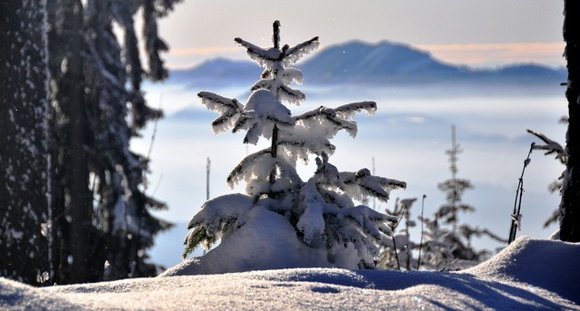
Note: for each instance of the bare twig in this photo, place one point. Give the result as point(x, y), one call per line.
point(516, 215)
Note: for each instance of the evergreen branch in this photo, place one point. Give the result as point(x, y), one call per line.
point(347, 111)
point(264, 58)
point(295, 53)
point(550, 146)
point(292, 96)
point(313, 113)
point(221, 123)
point(242, 122)
point(265, 84)
point(193, 239)
point(328, 147)
point(235, 175)
point(494, 236)
point(374, 186)
point(219, 103)
point(327, 114)
point(553, 218)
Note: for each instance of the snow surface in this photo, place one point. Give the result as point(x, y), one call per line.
point(266, 241)
point(529, 274)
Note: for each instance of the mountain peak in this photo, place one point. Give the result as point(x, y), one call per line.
point(358, 61)
point(380, 63)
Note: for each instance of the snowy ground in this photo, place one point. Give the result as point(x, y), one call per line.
point(530, 274)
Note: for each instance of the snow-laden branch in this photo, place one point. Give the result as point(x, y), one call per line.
point(295, 53)
point(347, 111)
point(362, 184)
point(265, 58)
point(229, 110)
point(260, 114)
point(240, 171)
point(216, 217)
point(281, 91)
point(329, 119)
point(550, 146)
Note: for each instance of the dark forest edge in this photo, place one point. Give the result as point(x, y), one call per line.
point(87, 215)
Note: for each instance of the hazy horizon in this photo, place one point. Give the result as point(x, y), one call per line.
point(480, 34)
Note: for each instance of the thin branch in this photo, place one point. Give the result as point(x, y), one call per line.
point(516, 215)
point(421, 240)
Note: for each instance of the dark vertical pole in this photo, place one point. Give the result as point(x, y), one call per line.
point(79, 209)
point(207, 170)
point(570, 205)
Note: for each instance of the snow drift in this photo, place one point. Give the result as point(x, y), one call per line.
point(529, 274)
point(266, 241)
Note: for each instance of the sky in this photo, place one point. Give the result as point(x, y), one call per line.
point(472, 32)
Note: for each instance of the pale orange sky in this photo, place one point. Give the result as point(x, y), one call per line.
point(471, 32)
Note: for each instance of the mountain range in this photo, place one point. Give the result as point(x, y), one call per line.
point(383, 63)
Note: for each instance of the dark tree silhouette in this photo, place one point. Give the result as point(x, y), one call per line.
point(570, 204)
point(102, 211)
point(24, 173)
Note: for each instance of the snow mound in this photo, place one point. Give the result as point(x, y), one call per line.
point(541, 263)
point(265, 241)
point(17, 296)
point(527, 275)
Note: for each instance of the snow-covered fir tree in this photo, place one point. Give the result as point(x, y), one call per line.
point(321, 210)
point(102, 211)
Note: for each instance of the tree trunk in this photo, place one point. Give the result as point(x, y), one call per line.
point(570, 205)
point(24, 163)
point(80, 208)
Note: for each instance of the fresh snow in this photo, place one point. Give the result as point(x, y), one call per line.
point(265, 241)
point(529, 274)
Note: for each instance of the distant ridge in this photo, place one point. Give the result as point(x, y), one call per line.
point(383, 63)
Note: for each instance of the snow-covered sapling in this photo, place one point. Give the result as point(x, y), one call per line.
point(322, 210)
point(402, 245)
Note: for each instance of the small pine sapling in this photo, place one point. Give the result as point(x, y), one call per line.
point(402, 245)
point(437, 249)
point(459, 236)
point(321, 210)
point(453, 189)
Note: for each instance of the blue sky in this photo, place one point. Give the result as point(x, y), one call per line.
point(474, 32)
